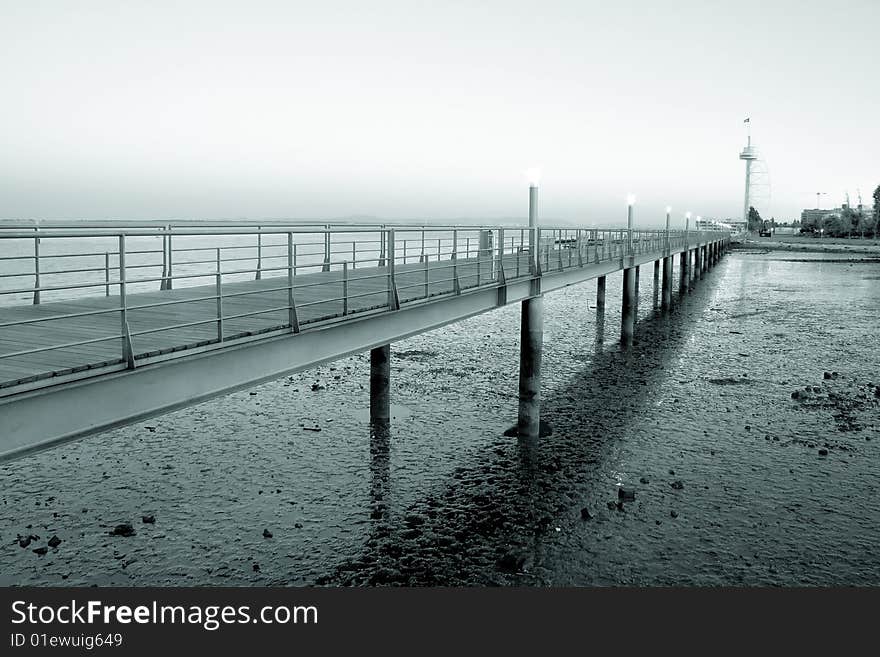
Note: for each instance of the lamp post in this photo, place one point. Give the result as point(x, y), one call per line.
point(630, 202)
point(531, 334)
point(668, 212)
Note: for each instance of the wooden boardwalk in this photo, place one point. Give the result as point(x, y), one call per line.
point(163, 322)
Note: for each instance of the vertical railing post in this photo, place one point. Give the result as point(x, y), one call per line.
point(107, 274)
point(36, 266)
point(326, 266)
point(354, 254)
point(344, 288)
point(393, 299)
point(164, 282)
point(456, 285)
point(127, 352)
point(170, 284)
point(479, 256)
point(500, 276)
point(259, 273)
point(291, 272)
point(219, 294)
point(424, 261)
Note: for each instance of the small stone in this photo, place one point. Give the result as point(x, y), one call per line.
point(748, 427)
point(256, 567)
point(826, 375)
point(823, 452)
point(673, 514)
point(54, 542)
point(612, 505)
point(125, 529)
point(511, 562)
point(626, 494)
point(297, 525)
point(585, 514)
point(24, 542)
point(148, 520)
point(644, 480)
point(41, 550)
point(677, 484)
point(317, 386)
point(267, 533)
point(796, 394)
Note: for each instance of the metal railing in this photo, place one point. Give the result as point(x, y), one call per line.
point(94, 299)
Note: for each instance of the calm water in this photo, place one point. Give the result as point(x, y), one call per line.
point(703, 401)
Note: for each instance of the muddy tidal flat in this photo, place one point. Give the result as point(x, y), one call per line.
point(736, 443)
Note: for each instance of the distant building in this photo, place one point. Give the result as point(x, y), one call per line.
point(815, 216)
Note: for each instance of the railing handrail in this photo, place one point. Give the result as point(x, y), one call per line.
point(280, 230)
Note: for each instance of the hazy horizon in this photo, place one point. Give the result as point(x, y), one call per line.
point(414, 111)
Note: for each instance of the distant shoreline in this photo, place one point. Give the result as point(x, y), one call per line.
point(810, 245)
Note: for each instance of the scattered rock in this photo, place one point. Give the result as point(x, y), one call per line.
point(644, 480)
point(256, 567)
point(585, 514)
point(24, 541)
point(148, 520)
point(317, 386)
point(823, 452)
point(297, 525)
point(267, 533)
point(54, 542)
point(41, 550)
point(125, 529)
point(511, 562)
point(677, 484)
point(626, 494)
point(673, 514)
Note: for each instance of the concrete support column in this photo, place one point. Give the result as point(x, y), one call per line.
point(702, 267)
point(628, 307)
point(531, 337)
point(656, 273)
point(380, 384)
point(667, 283)
point(600, 294)
point(683, 274)
point(636, 295)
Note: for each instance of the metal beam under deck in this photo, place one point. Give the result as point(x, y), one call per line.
point(88, 406)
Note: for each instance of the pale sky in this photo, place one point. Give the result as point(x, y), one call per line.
point(432, 110)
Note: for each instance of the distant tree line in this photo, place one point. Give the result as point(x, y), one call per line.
point(848, 222)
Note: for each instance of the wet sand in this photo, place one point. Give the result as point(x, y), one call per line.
point(735, 481)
